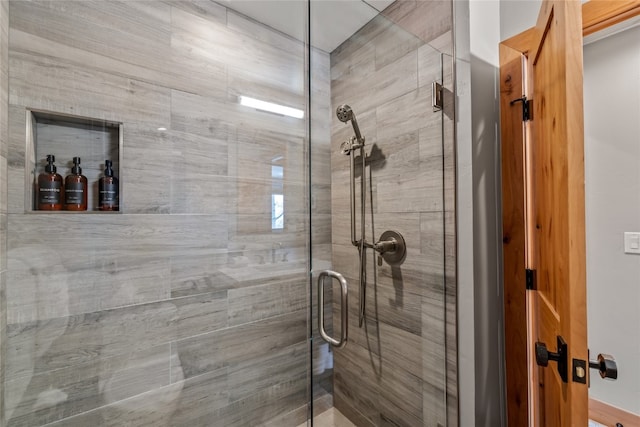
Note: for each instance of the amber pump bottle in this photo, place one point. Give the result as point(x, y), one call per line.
point(75, 188)
point(50, 187)
point(108, 189)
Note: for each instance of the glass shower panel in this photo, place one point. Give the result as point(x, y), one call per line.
point(188, 307)
point(392, 369)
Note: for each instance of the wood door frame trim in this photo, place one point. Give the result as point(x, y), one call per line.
point(610, 415)
point(514, 244)
point(596, 15)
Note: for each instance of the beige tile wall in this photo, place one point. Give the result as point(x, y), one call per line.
point(4, 138)
point(398, 369)
point(185, 308)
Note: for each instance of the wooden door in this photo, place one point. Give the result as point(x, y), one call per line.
point(543, 215)
point(557, 193)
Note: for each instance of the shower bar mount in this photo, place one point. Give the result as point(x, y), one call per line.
point(391, 245)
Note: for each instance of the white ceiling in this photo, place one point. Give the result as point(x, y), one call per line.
point(332, 21)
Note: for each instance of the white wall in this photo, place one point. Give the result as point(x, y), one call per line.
point(480, 26)
point(464, 218)
point(517, 16)
point(487, 241)
point(612, 169)
point(480, 298)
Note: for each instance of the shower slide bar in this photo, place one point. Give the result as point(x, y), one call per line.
point(344, 308)
point(391, 245)
point(346, 114)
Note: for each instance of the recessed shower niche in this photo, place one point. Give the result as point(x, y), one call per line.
point(93, 141)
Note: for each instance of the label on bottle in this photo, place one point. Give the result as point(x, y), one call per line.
point(108, 194)
point(50, 193)
point(74, 193)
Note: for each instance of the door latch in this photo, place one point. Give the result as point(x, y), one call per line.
point(605, 364)
point(526, 107)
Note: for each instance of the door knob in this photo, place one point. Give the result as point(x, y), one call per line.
point(606, 365)
point(543, 356)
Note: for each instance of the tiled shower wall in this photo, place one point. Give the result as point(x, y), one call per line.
point(394, 370)
point(4, 143)
point(186, 308)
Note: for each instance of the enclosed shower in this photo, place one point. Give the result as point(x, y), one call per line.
point(274, 260)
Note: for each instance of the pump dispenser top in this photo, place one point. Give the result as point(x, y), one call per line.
point(76, 169)
point(50, 168)
point(108, 171)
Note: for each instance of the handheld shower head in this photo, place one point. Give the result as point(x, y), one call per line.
point(345, 113)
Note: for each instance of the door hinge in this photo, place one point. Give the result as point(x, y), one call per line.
point(527, 107)
point(436, 96)
point(530, 279)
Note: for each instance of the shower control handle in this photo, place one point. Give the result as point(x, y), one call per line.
point(391, 247)
point(386, 245)
point(344, 308)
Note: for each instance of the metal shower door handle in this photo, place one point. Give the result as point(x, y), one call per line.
point(344, 315)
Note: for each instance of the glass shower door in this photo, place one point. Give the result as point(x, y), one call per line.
point(188, 306)
point(375, 87)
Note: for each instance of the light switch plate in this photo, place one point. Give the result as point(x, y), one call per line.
point(631, 242)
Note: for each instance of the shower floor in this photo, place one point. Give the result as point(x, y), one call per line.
point(330, 418)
